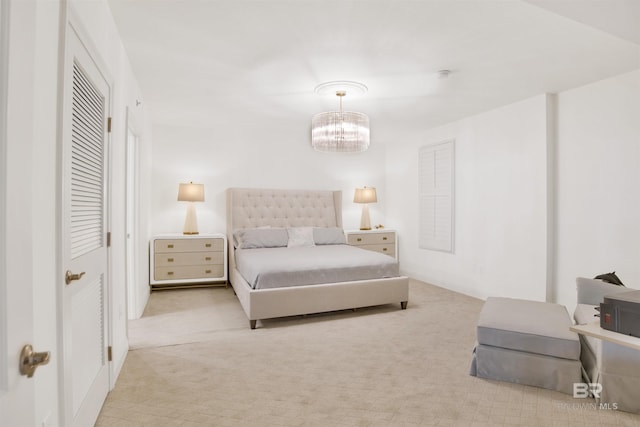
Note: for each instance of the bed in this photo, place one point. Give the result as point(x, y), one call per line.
point(263, 212)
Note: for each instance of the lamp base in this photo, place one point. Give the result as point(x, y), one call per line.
point(191, 221)
point(365, 222)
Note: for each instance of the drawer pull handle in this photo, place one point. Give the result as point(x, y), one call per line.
point(359, 239)
point(169, 259)
point(207, 245)
point(207, 258)
point(384, 249)
point(384, 238)
point(207, 271)
point(169, 273)
point(170, 246)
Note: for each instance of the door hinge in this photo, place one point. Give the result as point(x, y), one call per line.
point(109, 124)
point(108, 239)
point(110, 354)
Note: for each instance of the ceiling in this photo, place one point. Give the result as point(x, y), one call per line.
point(207, 63)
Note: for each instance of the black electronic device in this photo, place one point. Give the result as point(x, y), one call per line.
point(620, 312)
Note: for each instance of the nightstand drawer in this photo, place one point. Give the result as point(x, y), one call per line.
point(371, 238)
point(383, 249)
point(189, 272)
point(188, 245)
point(383, 241)
point(188, 258)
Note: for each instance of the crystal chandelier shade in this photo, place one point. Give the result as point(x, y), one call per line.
point(340, 131)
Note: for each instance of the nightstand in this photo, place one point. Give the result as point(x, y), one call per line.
point(181, 261)
point(383, 240)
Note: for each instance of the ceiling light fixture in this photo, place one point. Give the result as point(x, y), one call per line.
point(340, 131)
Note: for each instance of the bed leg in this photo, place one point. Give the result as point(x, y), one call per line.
point(252, 324)
point(403, 305)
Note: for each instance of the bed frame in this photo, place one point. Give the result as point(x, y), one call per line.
point(251, 208)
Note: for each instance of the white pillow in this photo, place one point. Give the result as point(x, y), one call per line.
point(300, 236)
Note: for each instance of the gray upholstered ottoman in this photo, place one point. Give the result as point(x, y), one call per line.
point(527, 342)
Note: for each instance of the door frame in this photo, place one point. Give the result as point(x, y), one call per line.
point(132, 211)
point(72, 23)
point(4, 59)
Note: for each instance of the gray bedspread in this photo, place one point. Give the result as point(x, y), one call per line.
point(266, 268)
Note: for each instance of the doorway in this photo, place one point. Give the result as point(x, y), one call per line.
point(132, 212)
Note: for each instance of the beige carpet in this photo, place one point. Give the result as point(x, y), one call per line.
point(195, 362)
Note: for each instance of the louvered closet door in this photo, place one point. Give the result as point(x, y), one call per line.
point(86, 370)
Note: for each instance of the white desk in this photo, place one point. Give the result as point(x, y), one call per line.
point(594, 330)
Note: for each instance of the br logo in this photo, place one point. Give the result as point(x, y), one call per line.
point(585, 390)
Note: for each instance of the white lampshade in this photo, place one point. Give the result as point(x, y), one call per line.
point(191, 193)
point(365, 195)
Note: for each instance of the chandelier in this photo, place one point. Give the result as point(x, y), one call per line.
point(340, 131)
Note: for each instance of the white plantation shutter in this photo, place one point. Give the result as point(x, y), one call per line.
point(87, 151)
point(436, 184)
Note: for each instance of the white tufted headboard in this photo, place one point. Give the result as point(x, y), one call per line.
point(256, 207)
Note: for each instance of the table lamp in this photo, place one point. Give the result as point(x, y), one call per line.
point(365, 196)
point(191, 193)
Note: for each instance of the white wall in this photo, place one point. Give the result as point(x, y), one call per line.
point(598, 178)
point(255, 152)
point(500, 203)
point(546, 190)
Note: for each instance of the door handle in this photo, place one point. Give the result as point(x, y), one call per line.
point(70, 277)
point(30, 360)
